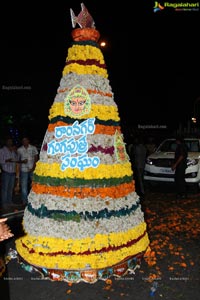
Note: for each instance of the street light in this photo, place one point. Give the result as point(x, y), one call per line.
point(194, 119)
point(103, 44)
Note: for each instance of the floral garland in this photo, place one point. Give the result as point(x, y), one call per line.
point(110, 130)
point(100, 111)
point(89, 92)
point(53, 202)
point(79, 69)
point(62, 215)
point(80, 182)
point(69, 121)
point(26, 245)
point(85, 52)
point(121, 190)
point(98, 85)
point(103, 171)
point(88, 62)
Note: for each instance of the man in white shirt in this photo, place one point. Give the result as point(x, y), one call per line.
point(8, 164)
point(28, 155)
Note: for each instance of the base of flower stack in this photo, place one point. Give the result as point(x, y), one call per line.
point(127, 266)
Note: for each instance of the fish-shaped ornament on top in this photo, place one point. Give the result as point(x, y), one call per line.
point(84, 19)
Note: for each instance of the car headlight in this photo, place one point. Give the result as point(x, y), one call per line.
point(149, 161)
point(192, 162)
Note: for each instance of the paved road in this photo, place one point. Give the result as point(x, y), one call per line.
point(174, 233)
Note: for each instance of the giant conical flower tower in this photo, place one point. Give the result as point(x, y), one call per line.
point(83, 221)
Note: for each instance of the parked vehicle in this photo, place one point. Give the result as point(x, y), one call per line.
point(158, 164)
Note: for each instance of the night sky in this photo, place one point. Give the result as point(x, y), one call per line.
point(152, 59)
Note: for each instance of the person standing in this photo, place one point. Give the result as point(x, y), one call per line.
point(28, 155)
point(179, 166)
point(8, 161)
point(139, 158)
point(150, 145)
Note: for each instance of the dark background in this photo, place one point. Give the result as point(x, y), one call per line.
point(152, 61)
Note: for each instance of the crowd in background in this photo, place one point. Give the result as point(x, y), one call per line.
point(17, 163)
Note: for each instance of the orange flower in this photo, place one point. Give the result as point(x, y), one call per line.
point(183, 265)
point(108, 281)
point(113, 192)
point(109, 130)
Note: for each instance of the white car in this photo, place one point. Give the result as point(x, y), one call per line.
point(158, 164)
